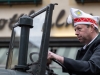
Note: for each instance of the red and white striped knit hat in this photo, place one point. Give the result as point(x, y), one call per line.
point(80, 17)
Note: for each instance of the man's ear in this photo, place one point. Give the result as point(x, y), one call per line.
point(92, 27)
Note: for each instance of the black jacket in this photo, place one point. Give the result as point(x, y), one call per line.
point(87, 61)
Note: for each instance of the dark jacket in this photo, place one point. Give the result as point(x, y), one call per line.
point(87, 61)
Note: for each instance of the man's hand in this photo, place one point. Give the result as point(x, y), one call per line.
point(52, 55)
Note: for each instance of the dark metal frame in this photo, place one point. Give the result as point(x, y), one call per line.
point(64, 42)
point(11, 2)
point(87, 1)
point(25, 22)
point(53, 42)
point(41, 67)
point(4, 42)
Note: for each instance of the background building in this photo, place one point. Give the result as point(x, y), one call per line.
point(62, 38)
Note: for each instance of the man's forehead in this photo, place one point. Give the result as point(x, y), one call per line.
point(80, 25)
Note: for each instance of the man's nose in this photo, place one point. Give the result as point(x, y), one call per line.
point(76, 32)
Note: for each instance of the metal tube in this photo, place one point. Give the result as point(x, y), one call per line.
point(24, 40)
point(41, 67)
point(39, 12)
point(25, 22)
point(10, 53)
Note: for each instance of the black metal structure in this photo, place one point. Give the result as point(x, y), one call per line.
point(10, 53)
point(40, 70)
point(64, 42)
point(87, 1)
point(20, 2)
point(53, 42)
point(26, 22)
point(4, 42)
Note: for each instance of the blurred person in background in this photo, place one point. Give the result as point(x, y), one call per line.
point(88, 57)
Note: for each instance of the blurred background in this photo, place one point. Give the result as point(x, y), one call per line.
point(62, 38)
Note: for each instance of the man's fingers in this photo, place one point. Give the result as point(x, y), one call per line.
point(49, 55)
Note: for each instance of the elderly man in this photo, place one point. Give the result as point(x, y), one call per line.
point(88, 57)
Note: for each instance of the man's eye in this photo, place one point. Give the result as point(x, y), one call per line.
point(79, 29)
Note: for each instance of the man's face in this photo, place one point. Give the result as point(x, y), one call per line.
point(83, 33)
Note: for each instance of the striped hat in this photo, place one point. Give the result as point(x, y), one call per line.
point(80, 17)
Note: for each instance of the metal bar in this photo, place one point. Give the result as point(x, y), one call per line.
point(24, 40)
point(11, 45)
point(10, 53)
point(39, 12)
point(25, 22)
point(45, 41)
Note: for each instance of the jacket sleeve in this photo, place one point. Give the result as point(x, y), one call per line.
point(92, 66)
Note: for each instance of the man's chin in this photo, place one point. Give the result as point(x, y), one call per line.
point(80, 40)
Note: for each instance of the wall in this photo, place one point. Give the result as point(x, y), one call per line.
point(7, 12)
point(68, 31)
